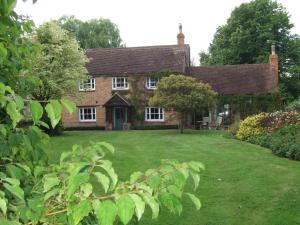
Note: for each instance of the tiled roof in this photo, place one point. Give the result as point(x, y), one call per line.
point(137, 60)
point(118, 100)
point(237, 79)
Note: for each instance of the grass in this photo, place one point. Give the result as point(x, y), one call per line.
point(243, 183)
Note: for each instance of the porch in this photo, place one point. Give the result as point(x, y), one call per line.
point(118, 113)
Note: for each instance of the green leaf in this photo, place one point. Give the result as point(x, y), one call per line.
point(14, 172)
point(3, 51)
point(79, 211)
point(106, 212)
point(110, 171)
point(19, 102)
point(108, 146)
point(70, 106)
point(51, 193)
point(36, 111)
point(125, 207)
point(139, 205)
point(15, 190)
point(74, 182)
point(179, 179)
point(3, 205)
point(197, 166)
point(171, 202)
point(87, 189)
point(64, 155)
point(24, 167)
point(154, 181)
point(8, 222)
point(50, 181)
point(103, 180)
point(173, 189)
point(53, 109)
point(152, 203)
point(13, 113)
point(196, 179)
point(135, 176)
point(195, 200)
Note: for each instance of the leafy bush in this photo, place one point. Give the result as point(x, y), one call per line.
point(251, 126)
point(284, 142)
point(233, 129)
point(280, 119)
point(295, 105)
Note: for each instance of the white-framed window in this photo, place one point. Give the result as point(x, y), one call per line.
point(151, 82)
point(87, 85)
point(87, 114)
point(120, 83)
point(154, 114)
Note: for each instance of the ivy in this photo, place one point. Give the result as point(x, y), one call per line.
point(252, 104)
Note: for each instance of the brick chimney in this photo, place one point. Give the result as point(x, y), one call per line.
point(273, 61)
point(180, 37)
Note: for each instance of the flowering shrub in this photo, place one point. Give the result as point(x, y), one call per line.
point(279, 119)
point(251, 126)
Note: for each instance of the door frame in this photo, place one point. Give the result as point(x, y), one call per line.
point(114, 117)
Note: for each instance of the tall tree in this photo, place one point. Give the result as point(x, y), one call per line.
point(248, 35)
point(60, 64)
point(183, 94)
point(95, 33)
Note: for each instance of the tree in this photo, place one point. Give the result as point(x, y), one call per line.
point(95, 33)
point(60, 65)
point(248, 35)
point(183, 94)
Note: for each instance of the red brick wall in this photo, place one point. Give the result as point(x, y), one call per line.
point(98, 98)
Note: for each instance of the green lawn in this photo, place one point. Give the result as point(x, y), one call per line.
point(243, 183)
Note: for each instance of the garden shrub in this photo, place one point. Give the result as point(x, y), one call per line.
point(295, 105)
point(251, 126)
point(233, 129)
point(280, 119)
point(284, 142)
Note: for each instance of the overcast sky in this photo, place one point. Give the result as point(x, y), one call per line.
point(154, 22)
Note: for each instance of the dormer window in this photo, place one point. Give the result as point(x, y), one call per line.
point(120, 83)
point(151, 82)
point(88, 85)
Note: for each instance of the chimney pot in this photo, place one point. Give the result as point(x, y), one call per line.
point(180, 37)
point(273, 49)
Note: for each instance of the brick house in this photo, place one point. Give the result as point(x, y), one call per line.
point(104, 100)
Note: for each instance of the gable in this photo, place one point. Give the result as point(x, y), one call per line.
point(118, 100)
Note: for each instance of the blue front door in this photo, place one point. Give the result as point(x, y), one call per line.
point(119, 118)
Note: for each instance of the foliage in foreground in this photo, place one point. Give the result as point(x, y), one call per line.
point(183, 94)
point(34, 192)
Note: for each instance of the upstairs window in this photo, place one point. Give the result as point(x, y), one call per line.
point(154, 114)
point(151, 82)
point(88, 85)
point(87, 114)
point(120, 83)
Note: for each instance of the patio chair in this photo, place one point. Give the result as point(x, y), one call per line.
point(219, 122)
point(205, 122)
